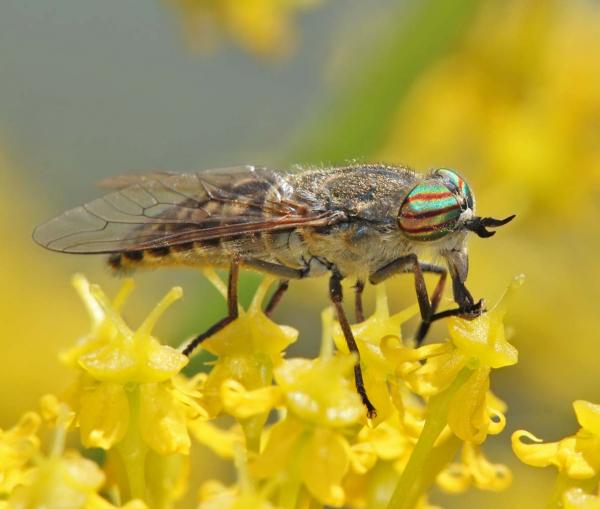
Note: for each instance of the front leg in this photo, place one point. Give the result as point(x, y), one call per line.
point(458, 265)
point(410, 263)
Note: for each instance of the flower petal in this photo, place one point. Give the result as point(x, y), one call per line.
point(324, 462)
point(576, 498)
point(485, 475)
point(162, 420)
point(221, 442)
point(588, 416)
point(103, 414)
point(468, 417)
point(537, 454)
point(484, 337)
point(302, 383)
point(454, 478)
point(243, 404)
point(274, 459)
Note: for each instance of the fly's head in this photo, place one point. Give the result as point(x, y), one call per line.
point(442, 206)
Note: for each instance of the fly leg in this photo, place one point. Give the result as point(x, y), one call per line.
point(232, 291)
point(359, 314)
point(232, 310)
point(467, 309)
point(336, 295)
point(436, 297)
point(276, 297)
point(286, 273)
point(410, 263)
point(275, 269)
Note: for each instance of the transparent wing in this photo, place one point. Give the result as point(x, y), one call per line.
point(163, 209)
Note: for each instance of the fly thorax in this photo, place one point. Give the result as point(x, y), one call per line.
point(435, 208)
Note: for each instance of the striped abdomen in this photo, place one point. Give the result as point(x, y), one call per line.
point(276, 247)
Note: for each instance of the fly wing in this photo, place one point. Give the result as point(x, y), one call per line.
point(163, 209)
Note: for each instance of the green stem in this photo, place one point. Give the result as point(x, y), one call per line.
point(357, 118)
point(289, 492)
point(253, 428)
point(132, 450)
point(416, 475)
point(440, 456)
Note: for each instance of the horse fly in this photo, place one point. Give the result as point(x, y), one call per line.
point(366, 222)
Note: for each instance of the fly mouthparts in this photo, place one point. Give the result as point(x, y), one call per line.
point(478, 225)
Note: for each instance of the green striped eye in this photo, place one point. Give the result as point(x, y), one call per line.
point(430, 211)
point(456, 183)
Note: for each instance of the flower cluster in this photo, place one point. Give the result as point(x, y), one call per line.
point(295, 428)
point(576, 457)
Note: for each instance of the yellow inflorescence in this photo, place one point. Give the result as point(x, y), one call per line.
point(318, 448)
point(576, 457)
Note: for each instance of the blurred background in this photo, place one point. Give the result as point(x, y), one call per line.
point(505, 91)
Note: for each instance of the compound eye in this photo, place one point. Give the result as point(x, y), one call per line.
point(454, 181)
point(429, 212)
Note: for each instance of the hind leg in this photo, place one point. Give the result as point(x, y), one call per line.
point(232, 311)
point(232, 294)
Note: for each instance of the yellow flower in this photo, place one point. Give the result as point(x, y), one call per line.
point(248, 349)
point(389, 441)
point(18, 446)
point(222, 442)
point(129, 356)
point(167, 478)
point(214, 495)
point(103, 329)
point(129, 378)
point(309, 446)
point(296, 454)
point(475, 470)
point(479, 344)
point(67, 482)
point(259, 26)
point(577, 456)
point(62, 480)
point(301, 381)
point(131, 400)
point(243, 404)
point(576, 498)
point(378, 371)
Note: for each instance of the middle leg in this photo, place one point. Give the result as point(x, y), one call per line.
point(276, 297)
point(336, 295)
point(359, 313)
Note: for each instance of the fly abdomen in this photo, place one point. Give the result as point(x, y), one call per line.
point(213, 252)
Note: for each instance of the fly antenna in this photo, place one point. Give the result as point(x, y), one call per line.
point(478, 225)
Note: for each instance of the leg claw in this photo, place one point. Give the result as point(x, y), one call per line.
point(473, 311)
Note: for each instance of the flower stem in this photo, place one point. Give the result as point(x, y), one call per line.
point(132, 450)
point(416, 475)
